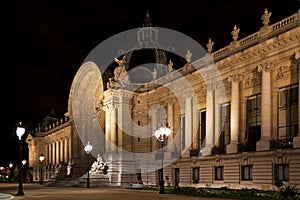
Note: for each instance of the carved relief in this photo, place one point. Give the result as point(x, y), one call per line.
point(235, 78)
point(282, 71)
point(227, 87)
point(288, 70)
point(254, 79)
point(264, 67)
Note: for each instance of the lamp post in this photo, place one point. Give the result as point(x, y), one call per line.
point(88, 149)
point(20, 132)
point(162, 135)
point(10, 171)
point(41, 158)
point(23, 170)
point(1, 174)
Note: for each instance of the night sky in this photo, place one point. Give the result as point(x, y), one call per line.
point(43, 43)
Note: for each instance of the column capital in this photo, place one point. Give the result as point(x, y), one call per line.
point(266, 67)
point(170, 101)
point(235, 78)
point(211, 87)
point(188, 94)
point(110, 107)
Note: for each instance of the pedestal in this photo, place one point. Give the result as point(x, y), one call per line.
point(263, 145)
point(97, 179)
point(207, 150)
point(232, 148)
point(296, 142)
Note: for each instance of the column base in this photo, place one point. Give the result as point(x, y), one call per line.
point(296, 142)
point(207, 150)
point(263, 145)
point(232, 148)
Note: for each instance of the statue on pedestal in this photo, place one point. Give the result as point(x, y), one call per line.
point(99, 166)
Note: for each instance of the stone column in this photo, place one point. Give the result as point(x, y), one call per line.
point(47, 155)
point(113, 127)
point(70, 148)
point(232, 147)
point(53, 154)
point(57, 152)
point(296, 139)
point(153, 113)
point(264, 143)
point(188, 118)
point(170, 119)
point(210, 120)
point(65, 150)
point(107, 128)
point(124, 135)
point(61, 150)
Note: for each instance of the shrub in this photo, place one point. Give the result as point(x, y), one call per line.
point(288, 191)
point(278, 183)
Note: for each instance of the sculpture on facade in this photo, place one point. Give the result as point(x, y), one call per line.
point(170, 66)
point(120, 72)
point(209, 45)
point(154, 73)
point(235, 33)
point(266, 17)
point(99, 166)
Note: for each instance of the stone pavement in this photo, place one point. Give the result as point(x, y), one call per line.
point(36, 191)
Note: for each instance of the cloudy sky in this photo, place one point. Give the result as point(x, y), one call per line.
point(43, 44)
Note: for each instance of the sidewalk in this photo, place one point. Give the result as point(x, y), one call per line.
point(36, 191)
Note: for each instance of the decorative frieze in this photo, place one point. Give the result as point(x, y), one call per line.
point(252, 80)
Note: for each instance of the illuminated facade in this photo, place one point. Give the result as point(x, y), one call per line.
point(249, 138)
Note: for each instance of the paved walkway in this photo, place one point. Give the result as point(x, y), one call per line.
point(36, 191)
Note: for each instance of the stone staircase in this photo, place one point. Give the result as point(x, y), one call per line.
point(75, 181)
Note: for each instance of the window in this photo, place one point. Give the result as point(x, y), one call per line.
point(288, 112)
point(247, 172)
point(219, 173)
point(253, 132)
point(182, 131)
point(177, 172)
point(195, 175)
point(224, 137)
point(282, 172)
point(201, 128)
point(139, 175)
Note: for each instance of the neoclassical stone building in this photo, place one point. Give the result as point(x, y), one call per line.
point(235, 125)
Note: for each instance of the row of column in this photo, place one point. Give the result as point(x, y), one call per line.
point(264, 143)
point(58, 151)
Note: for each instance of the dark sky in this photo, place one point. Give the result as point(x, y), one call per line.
point(43, 44)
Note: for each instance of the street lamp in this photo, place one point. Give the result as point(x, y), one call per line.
point(24, 162)
point(10, 171)
point(162, 135)
point(88, 149)
point(20, 132)
point(1, 174)
point(41, 158)
point(10, 165)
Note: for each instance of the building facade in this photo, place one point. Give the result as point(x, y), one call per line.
point(236, 127)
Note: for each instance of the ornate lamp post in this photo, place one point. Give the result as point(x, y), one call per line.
point(88, 149)
point(1, 174)
point(41, 158)
point(10, 171)
point(162, 135)
point(20, 132)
